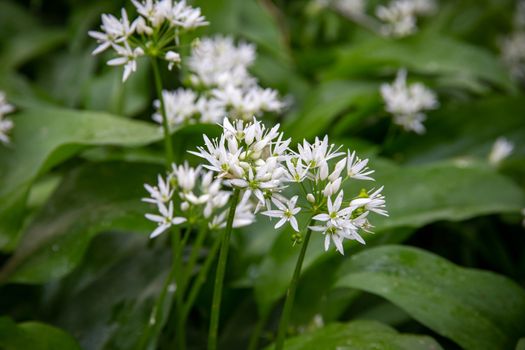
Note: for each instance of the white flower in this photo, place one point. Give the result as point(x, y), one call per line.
point(180, 107)
point(185, 176)
point(350, 7)
point(400, 16)
point(406, 102)
point(335, 214)
point(285, 213)
point(114, 31)
point(357, 168)
point(187, 17)
point(319, 153)
point(165, 220)
point(5, 124)
point(172, 57)
point(374, 202)
point(501, 149)
point(161, 193)
point(297, 171)
point(218, 61)
point(127, 58)
point(513, 53)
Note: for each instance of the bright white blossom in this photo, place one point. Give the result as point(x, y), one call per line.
point(165, 220)
point(513, 53)
point(6, 124)
point(258, 162)
point(407, 102)
point(400, 16)
point(501, 149)
point(154, 32)
point(285, 212)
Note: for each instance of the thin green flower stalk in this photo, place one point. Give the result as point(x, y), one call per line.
point(290, 294)
point(219, 277)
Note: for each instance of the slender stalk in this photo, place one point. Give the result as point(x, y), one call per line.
point(219, 277)
point(180, 333)
point(157, 314)
point(200, 279)
point(194, 255)
point(256, 335)
point(290, 295)
point(165, 126)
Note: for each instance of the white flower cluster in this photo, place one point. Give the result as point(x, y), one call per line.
point(513, 46)
point(6, 124)
point(219, 72)
point(408, 101)
point(198, 196)
point(400, 16)
point(154, 32)
point(258, 161)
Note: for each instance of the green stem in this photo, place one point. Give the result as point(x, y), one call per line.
point(155, 323)
point(165, 126)
point(201, 278)
point(194, 255)
point(256, 335)
point(178, 247)
point(290, 295)
point(219, 277)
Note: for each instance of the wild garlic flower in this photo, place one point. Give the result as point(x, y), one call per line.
point(218, 72)
point(400, 16)
point(6, 124)
point(258, 161)
point(153, 32)
point(513, 54)
point(191, 195)
point(407, 102)
point(501, 149)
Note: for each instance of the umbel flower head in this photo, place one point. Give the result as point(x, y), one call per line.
point(153, 32)
point(407, 102)
point(400, 16)
point(219, 84)
point(259, 162)
point(6, 124)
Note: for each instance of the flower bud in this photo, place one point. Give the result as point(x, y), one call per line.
point(310, 198)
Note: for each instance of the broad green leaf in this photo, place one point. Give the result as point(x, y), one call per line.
point(430, 54)
point(114, 289)
point(90, 200)
point(359, 335)
point(477, 309)
point(43, 138)
point(471, 128)
point(34, 336)
point(327, 102)
point(415, 196)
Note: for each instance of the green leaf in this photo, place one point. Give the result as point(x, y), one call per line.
point(90, 200)
point(42, 138)
point(477, 309)
point(359, 335)
point(328, 101)
point(430, 54)
point(471, 128)
point(34, 336)
point(415, 196)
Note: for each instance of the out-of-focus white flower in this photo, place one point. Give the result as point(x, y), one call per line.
point(165, 220)
point(127, 57)
point(6, 124)
point(180, 107)
point(501, 149)
point(407, 102)
point(400, 16)
point(161, 193)
point(172, 57)
point(513, 53)
point(349, 8)
point(285, 212)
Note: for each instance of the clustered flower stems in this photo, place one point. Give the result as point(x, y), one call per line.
point(165, 127)
point(219, 277)
point(290, 294)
